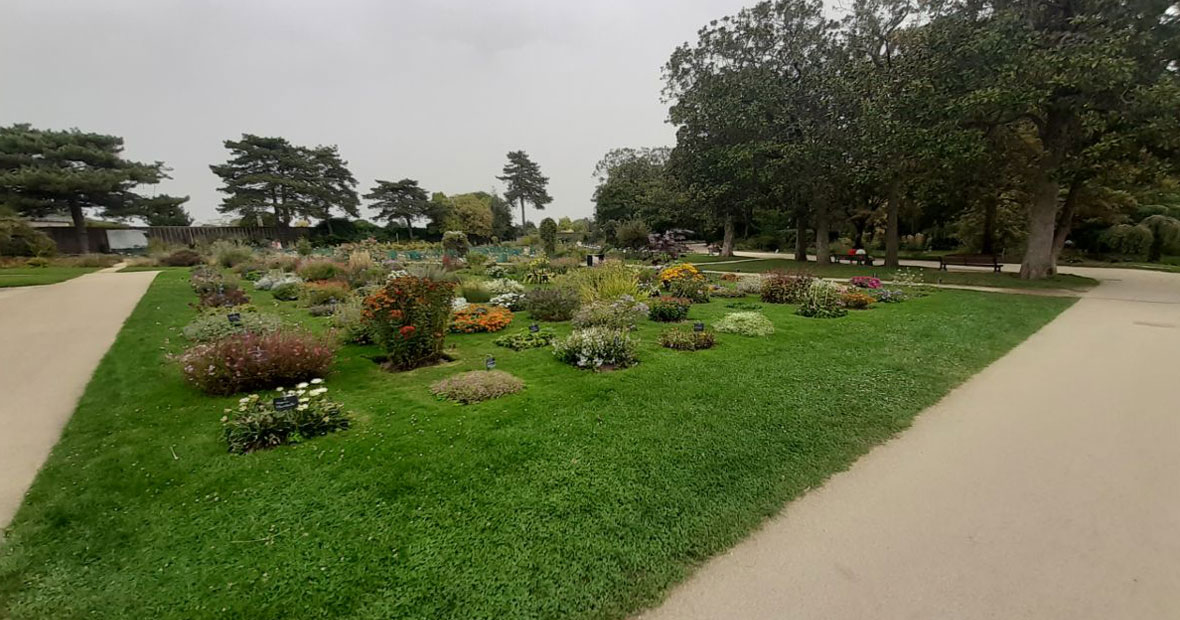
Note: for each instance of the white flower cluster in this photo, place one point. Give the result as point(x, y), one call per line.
point(503, 286)
point(276, 278)
point(458, 303)
point(512, 301)
point(595, 347)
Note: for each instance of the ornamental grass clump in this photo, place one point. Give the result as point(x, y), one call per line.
point(476, 318)
point(606, 282)
point(316, 270)
point(552, 304)
point(408, 318)
point(745, 324)
point(476, 386)
point(596, 348)
point(682, 339)
point(257, 424)
point(785, 288)
point(252, 361)
point(622, 313)
point(669, 309)
point(216, 325)
point(821, 301)
point(526, 339)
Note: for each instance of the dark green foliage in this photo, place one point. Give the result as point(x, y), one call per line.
point(552, 304)
point(526, 339)
point(287, 291)
point(402, 201)
point(548, 231)
point(687, 339)
point(669, 309)
point(255, 424)
point(17, 238)
point(526, 184)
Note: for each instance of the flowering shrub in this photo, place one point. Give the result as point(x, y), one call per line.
point(204, 280)
point(669, 309)
point(315, 270)
point(503, 286)
point(745, 323)
point(480, 318)
point(526, 339)
point(476, 386)
point(822, 301)
point(687, 339)
point(785, 288)
point(683, 271)
point(498, 272)
point(287, 291)
point(255, 424)
point(696, 291)
point(865, 282)
point(275, 278)
point(257, 361)
point(856, 301)
point(750, 285)
point(552, 304)
point(887, 296)
point(622, 313)
point(408, 318)
point(512, 301)
point(597, 347)
point(320, 293)
point(216, 325)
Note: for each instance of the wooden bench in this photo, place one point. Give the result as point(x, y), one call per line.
point(860, 259)
point(970, 260)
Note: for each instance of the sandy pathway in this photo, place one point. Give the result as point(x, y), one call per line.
point(51, 340)
point(1047, 486)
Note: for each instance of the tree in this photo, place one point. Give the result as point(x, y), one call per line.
point(525, 183)
point(292, 182)
point(402, 200)
point(548, 230)
point(501, 218)
point(163, 210)
point(636, 184)
point(47, 171)
point(470, 213)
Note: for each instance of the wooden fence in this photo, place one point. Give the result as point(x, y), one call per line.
point(67, 242)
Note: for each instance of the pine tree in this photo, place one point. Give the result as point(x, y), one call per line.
point(525, 182)
point(403, 200)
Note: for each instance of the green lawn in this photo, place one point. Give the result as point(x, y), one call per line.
point(32, 276)
point(981, 277)
point(585, 496)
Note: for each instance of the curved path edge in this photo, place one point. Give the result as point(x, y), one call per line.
point(51, 340)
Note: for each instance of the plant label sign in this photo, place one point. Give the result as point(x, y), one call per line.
point(534, 328)
point(698, 327)
point(234, 317)
point(286, 403)
point(491, 363)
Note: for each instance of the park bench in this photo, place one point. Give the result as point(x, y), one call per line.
point(970, 260)
point(860, 259)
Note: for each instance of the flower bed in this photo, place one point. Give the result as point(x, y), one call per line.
point(475, 318)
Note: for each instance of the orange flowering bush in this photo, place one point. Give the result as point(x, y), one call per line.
point(408, 317)
point(474, 318)
point(683, 271)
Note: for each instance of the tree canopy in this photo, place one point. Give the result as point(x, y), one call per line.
point(526, 184)
point(402, 200)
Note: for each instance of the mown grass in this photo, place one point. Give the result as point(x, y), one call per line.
point(981, 277)
point(584, 496)
point(34, 276)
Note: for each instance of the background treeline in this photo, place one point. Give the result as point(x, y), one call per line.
point(1014, 127)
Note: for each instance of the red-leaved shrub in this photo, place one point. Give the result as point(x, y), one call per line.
point(253, 361)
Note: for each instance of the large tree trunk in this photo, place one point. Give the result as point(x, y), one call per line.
point(522, 220)
point(892, 243)
point(800, 239)
point(1065, 221)
point(1042, 219)
point(988, 244)
point(80, 228)
point(823, 254)
point(727, 241)
point(410, 228)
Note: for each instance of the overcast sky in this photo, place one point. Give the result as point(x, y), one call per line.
point(434, 90)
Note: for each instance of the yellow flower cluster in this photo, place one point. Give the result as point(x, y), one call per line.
point(683, 271)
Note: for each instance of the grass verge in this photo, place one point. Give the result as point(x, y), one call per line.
point(584, 496)
point(33, 276)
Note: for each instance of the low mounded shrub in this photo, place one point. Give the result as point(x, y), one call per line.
point(316, 270)
point(696, 291)
point(552, 304)
point(890, 296)
point(512, 301)
point(476, 386)
point(227, 298)
point(216, 325)
point(865, 282)
point(475, 318)
point(321, 293)
point(181, 258)
point(274, 278)
point(283, 262)
point(725, 290)
point(408, 318)
point(229, 254)
point(255, 424)
point(288, 290)
point(750, 285)
point(687, 339)
point(821, 301)
point(322, 310)
point(745, 324)
point(348, 321)
point(257, 361)
point(669, 309)
point(475, 292)
point(503, 286)
point(526, 339)
point(856, 301)
point(785, 288)
point(597, 347)
point(18, 238)
point(622, 313)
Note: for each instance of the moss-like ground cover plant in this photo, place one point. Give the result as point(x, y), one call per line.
point(585, 495)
